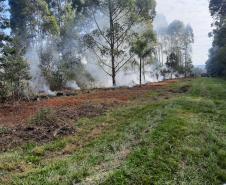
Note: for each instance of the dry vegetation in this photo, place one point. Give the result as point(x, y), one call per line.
point(44, 120)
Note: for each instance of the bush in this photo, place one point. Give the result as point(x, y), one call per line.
point(44, 117)
point(14, 72)
point(3, 93)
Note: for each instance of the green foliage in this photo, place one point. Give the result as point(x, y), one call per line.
point(35, 23)
point(30, 18)
point(216, 65)
point(144, 48)
point(172, 63)
point(3, 130)
point(73, 69)
point(4, 23)
point(144, 45)
point(176, 42)
point(144, 6)
point(42, 21)
point(56, 81)
point(44, 117)
point(59, 71)
point(14, 71)
point(50, 25)
point(59, 62)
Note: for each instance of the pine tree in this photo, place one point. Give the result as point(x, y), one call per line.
point(110, 43)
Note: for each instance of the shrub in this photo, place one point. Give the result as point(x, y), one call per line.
point(44, 117)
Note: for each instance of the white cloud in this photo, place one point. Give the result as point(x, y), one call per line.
point(195, 13)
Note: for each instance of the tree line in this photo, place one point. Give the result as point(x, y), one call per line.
point(175, 49)
point(216, 64)
point(118, 33)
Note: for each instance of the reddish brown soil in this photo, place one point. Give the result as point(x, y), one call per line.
point(14, 130)
point(19, 113)
point(55, 124)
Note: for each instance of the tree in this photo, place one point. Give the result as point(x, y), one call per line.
point(31, 20)
point(197, 72)
point(51, 28)
point(143, 47)
point(172, 63)
point(4, 38)
point(176, 33)
point(110, 41)
point(14, 71)
point(177, 39)
point(216, 65)
point(188, 40)
point(161, 26)
point(4, 23)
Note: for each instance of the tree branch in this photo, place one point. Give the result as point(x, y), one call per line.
point(100, 60)
point(98, 27)
point(117, 70)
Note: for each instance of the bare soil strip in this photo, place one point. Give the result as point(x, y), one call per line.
point(15, 129)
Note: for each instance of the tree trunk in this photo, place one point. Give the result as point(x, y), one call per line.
point(185, 62)
point(143, 66)
point(113, 71)
point(112, 44)
point(140, 71)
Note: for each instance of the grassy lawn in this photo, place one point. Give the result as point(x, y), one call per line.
point(175, 140)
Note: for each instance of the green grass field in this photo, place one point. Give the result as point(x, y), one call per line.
point(175, 140)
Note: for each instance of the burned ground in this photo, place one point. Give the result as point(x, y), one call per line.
point(48, 119)
point(48, 124)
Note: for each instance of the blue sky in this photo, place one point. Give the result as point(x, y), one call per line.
point(195, 13)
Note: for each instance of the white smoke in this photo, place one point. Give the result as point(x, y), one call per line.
point(73, 85)
point(129, 77)
point(38, 83)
